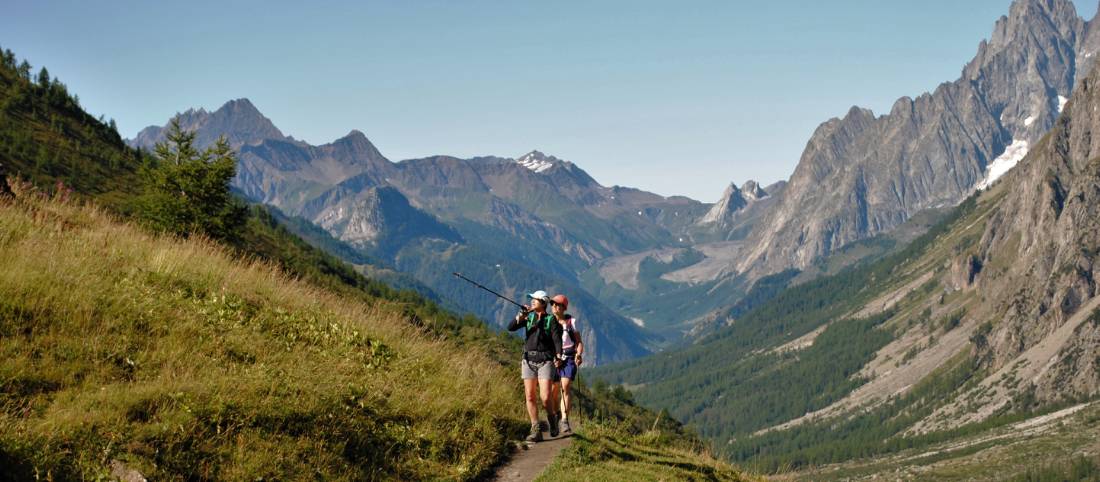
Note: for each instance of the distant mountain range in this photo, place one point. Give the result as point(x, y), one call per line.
point(521, 224)
point(863, 176)
point(670, 264)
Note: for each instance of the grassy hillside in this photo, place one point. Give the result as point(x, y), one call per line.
point(46, 137)
point(611, 452)
point(618, 440)
point(176, 360)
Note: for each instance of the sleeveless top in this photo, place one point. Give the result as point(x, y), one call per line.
point(567, 334)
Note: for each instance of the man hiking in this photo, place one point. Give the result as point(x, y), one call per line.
point(541, 358)
point(572, 349)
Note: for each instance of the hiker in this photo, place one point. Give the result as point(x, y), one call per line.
point(572, 349)
point(542, 356)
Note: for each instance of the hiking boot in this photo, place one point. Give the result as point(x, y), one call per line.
point(535, 435)
point(565, 428)
point(552, 418)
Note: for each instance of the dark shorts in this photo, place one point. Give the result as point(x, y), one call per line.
point(569, 369)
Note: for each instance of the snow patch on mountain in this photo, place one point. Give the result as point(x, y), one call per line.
point(1029, 120)
point(1062, 103)
point(535, 161)
point(1004, 162)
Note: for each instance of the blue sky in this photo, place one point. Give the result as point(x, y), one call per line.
point(672, 97)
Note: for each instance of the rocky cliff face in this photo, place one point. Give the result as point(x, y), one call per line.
point(1045, 237)
point(380, 220)
point(1028, 270)
point(861, 175)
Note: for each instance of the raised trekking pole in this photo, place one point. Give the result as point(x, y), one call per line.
point(475, 283)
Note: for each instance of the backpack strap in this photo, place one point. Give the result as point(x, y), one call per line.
point(570, 329)
point(533, 319)
point(569, 326)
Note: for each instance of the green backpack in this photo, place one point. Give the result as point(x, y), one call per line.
point(532, 319)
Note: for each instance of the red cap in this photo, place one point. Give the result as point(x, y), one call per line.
point(560, 300)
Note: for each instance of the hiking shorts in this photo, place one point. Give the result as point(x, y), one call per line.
point(569, 369)
point(541, 370)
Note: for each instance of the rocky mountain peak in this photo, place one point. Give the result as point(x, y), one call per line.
point(355, 154)
point(242, 123)
point(356, 144)
point(1026, 15)
point(242, 109)
point(752, 191)
point(733, 200)
point(861, 175)
point(537, 161)
point(238, 120)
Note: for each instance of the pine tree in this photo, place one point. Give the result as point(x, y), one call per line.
point(44, 78)
point(188, 193)
point(25, 70)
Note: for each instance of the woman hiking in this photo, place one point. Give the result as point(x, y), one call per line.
point(542, 356)
point(572, 349)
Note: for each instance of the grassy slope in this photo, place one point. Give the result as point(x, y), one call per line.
point(618, 440)
point(175, 359)
point(611, 452)
point(46, 137)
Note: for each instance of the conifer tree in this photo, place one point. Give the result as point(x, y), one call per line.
point(188, 193)
point(25, 70)
point(44, 78)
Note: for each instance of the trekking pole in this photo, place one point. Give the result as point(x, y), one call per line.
point(475, 283)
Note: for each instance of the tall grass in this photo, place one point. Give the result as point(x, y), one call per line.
point(181, 362)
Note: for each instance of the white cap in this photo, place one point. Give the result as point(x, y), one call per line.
point(539, 295)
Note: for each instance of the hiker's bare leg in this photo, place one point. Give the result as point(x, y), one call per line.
point(544, 392)
point(566, 398)
point(531, 391)
point(555, 396)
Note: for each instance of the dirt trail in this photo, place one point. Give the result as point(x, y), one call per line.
point(527, 463)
